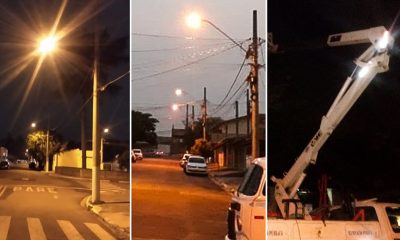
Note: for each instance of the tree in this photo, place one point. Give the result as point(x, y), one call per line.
point(143, 127)
point(202, 147)
point(36, 143)
point(197, 132)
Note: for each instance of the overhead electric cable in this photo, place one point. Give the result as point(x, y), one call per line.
point(181, 66)
point(233, 83)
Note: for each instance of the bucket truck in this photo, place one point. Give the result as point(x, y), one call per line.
point(371, 219)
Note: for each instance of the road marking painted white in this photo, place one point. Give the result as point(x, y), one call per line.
point(2, 190)
point(99, 232)
point(34, 188)
point(4, 226)
point(35, 229)
point(69, 230)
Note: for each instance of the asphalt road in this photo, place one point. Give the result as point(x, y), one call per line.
point(167, 204)
point(37, 205)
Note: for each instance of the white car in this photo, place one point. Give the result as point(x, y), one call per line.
point(184, 159)
point(196, 164)
point(138, 153)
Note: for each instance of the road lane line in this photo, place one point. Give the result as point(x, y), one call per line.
point(69, 230)
point(99, 232)
point(4, 226)
point(35, 229)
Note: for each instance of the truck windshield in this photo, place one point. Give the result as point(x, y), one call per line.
point(394, 218)
point(251, 181)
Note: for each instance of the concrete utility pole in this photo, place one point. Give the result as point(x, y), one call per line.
point(47, 150)
point(254, 90)
point(204, 115)
point(95, 128)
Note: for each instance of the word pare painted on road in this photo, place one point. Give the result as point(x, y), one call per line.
point(33, 189)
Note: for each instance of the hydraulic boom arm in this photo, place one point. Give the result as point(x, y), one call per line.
point(374, 60)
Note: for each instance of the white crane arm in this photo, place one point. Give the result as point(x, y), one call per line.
point(374, 60)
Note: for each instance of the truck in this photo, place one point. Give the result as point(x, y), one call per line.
point(367, 219)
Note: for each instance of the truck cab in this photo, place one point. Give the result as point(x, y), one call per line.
point(246, 215)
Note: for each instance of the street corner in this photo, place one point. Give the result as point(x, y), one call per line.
point(118, 221)
point(87, 203)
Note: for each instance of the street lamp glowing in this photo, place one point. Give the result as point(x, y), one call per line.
point(106, 130)
point(33, 125)
point(193, 20)
point(178, 92)
point(47, 45)
point(175, 107)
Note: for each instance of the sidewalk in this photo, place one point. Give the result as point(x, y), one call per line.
point(114, 210)
point(226, 178)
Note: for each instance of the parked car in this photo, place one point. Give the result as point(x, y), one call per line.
point(158, 153)
point(196, 164)
point(184, 159)
point(4, 163)
point(138, 153)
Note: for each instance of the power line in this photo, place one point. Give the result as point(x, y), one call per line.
point(101, 89)
point(176, 48)
point(179, 37)
point(240, 87)
point(233, 83)
point(189, 57)
point(182, 66)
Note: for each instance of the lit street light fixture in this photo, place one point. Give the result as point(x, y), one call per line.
point(105, 131)
point(47, 45)
point(178, 92)
point(194, 21)
point(175, 107)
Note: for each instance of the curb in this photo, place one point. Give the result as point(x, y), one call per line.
point(122, 234)
point(219, 183)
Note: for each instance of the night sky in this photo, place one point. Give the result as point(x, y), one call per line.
point(21, 23)
point(304, 77)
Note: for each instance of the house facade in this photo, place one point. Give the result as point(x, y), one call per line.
point(232, 142)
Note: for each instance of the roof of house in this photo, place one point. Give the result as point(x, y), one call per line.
point(261, 119)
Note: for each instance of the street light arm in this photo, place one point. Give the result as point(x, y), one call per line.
point(226, 35)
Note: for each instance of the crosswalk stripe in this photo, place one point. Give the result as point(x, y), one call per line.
point(3, 189)
point(69, 230)
point(99, 232)
point(4, 226)
point(35, 229)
